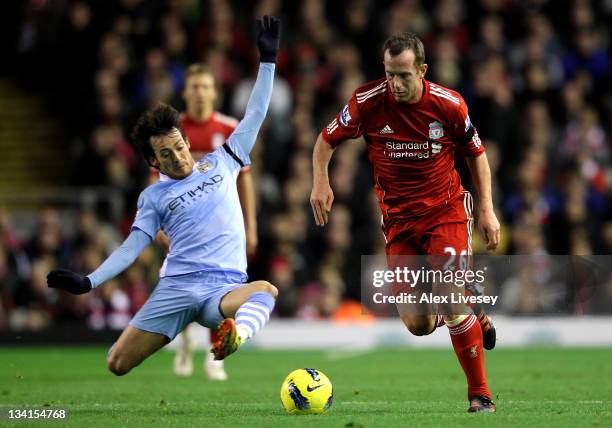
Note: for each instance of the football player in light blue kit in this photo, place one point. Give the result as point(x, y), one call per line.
point(204, 276)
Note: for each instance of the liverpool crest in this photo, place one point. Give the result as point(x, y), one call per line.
point(436, 131)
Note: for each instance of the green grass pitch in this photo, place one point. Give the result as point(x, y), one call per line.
point(384, 388)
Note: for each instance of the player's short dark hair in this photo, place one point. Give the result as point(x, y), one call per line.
point(159, 120)
point(398, 43)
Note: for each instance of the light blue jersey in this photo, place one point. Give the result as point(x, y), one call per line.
point(201, 215)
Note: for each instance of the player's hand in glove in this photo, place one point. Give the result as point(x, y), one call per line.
point(69, 281)
point(268, 38)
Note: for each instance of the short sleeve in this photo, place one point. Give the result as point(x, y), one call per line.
point(463, 131)
point(147, 219)
point(345, 126)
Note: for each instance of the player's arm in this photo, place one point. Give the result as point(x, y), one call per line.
point(268, 39)
point(488, 225)
point(322, 195)
point(345, 126)
point(145, 227)
point(466, 136)
point(163, 241)
point(116, 263)
point(246, 193)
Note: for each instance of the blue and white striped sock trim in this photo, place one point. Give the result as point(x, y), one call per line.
point(253, 314)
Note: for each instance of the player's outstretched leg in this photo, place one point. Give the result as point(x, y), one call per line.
point(214, 369)
point(422, 325)
point(132, 348)
point(229, 340)
point(466, 336)
point(183, 359)
point(420, 319)
point(247, 309)
point(489, 334)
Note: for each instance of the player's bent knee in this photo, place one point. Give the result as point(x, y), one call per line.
point(272, 290)
point(267, 287)
point(117, 366)
point(419, 326)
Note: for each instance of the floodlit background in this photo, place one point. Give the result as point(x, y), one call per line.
point(535, 74)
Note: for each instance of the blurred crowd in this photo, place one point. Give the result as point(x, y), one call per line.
point(536, 75)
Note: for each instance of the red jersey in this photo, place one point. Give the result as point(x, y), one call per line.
point(411, 146)
point(207, 136)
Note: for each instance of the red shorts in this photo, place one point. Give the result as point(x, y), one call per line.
point(441, 235)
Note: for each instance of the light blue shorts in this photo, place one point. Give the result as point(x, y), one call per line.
point(179, 300)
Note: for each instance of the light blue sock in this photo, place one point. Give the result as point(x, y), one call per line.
point(253, 314)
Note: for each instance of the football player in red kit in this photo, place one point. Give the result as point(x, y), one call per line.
point(207, 130)
point(412, 128)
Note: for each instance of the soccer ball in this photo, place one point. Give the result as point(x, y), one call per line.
point(306, 392)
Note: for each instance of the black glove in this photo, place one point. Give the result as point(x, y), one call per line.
point(69, 281)
point(268, 38)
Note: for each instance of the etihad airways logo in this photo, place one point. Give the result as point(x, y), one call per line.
point(192, 195)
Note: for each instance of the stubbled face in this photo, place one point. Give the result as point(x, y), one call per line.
point(200, 92)
point(404, 77)
point(172, 155)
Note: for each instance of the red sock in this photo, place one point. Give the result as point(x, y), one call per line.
point(467, 342)
point(214, 335)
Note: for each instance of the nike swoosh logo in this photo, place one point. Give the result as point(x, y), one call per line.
point(312, 388)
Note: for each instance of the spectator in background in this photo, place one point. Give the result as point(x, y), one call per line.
point(533, 74)
point(49, 240)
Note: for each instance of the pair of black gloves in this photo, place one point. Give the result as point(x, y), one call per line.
point(268, 39)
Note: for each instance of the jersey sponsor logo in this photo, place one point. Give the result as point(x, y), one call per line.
point(345, 116)
point(436, 130)
point(412, 149)
point(386, 130)
point(192, 195)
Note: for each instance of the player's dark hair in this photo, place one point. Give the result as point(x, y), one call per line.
point(158, 121)
point(406, 41)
